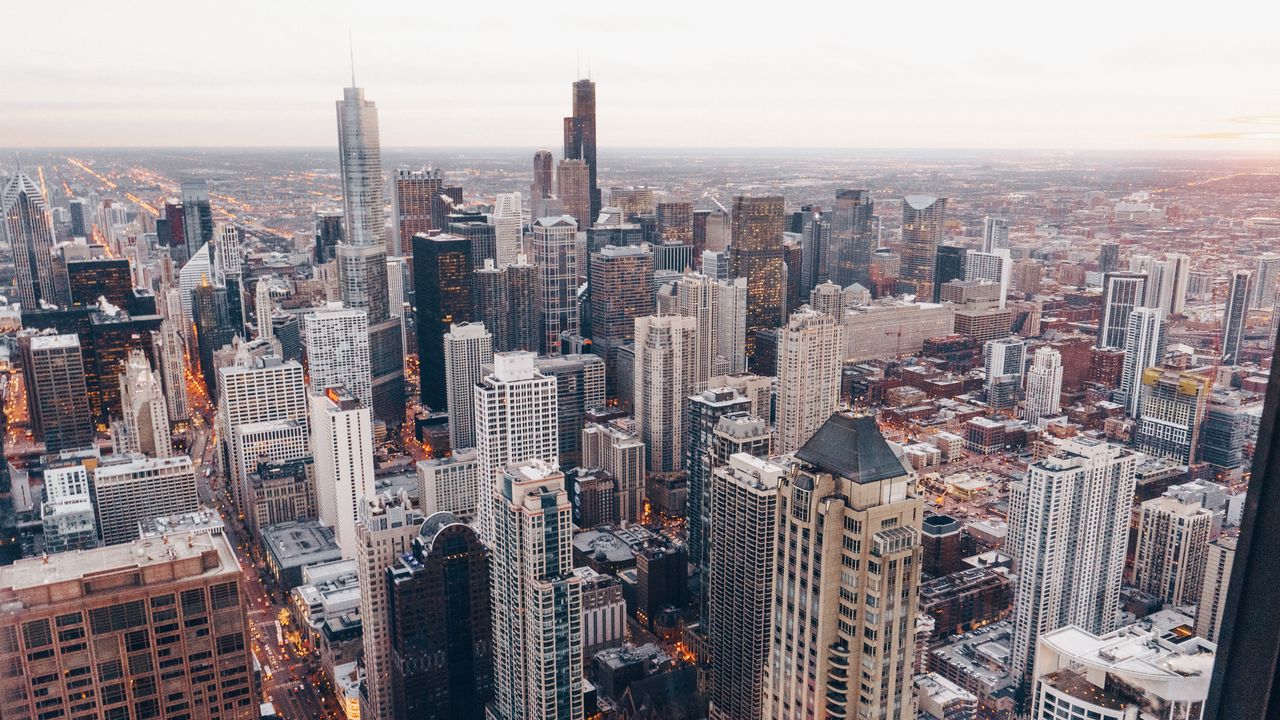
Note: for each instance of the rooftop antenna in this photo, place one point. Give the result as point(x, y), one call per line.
point(588, 64)
point(578, 57)
point(351, 46)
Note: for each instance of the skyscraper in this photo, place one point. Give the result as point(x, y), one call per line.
point(58, 401)
point(144, 422)
point(621, 291)
point(212, 320)
point(1122, 292)
point(1109, 257)
point(950, 264)
point(439, 625)
point(128, 489)
point(172, 366)
point(362, 256)
point(815, 248)
point(731, 326)
point(555, 251)
point(537, 599)
point(756, 254)
point(845, 488)
point(1266, 280)
point(579, 388)
point(73, 615)
point(524, 293)
point(1172, 413)
point(1173, 545)
point(411, 195)
point(508, 223)
point(442, 281)
point(342, 446)
point(28, 229)
point(923, 220)
point(993, 267)
point(1068, 530)
point(268, 389)
point(995, 234)
point(810, 350)
point(1167, 283)
point(1044, 385)
point(698, 296)
point(665, 367)
point(741, 602)
point(580, 142)
point(1143, 348)
point(386, 530)
point(338, 352)
point(197, 219)
point(852, 241)
point(467, 347)
point(705, 410)
point(517, 419)
point(542, 188)
point(1233, 319)
point(489, 287)
point(573, 188)
point(1220, 557)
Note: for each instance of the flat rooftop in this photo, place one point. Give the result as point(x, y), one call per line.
point(303, 542)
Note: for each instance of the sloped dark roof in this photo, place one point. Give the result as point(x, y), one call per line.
point(852, 447)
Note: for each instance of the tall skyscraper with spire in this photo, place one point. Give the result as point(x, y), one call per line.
point(580, 139)
point(28, 229)
point(362, 256)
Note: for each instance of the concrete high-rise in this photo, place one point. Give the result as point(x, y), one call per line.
point(923, 220)
point(665, 367)
point(537, 598)
point(1044, 385)
point(508, 227)
point(411, 193)
point(1172, 412)
point(579, 387)
point(267, 389)
point(386, 530)
point(698, 296)
point(1220, 557)
point(68, 620)
point(995, 234)
point(1235, 316)
point(362, 256)
point(731, 326)
point(167, 344)
point(836, 612)
point(144, 421)
point(619, 453)
point(442, 280)
point(542, 188)
point(756, 253)
point(810, 350)
point(132, 488)
point(741, 602)
point(580, 142)
point(555, 252)
point(1266, 281)
point(27, 227)
point(342, 447)
point(467, 347)
point(1172, 551)
point(338, 351)
point(1143, 348)
point(517, 419)
point(573, 188)
point(1122, 292)
point(57, 398)
point(524, 293)
point(1068, 531)
point(995, 267)
point(621, 291)
point(441, 670)
point(1167, 283)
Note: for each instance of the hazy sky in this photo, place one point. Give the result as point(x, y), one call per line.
point(1073, 74)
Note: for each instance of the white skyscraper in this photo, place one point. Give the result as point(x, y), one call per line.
point(508, 226)
point(168, 347)
point(555, 251)
point(697, 296)
point(1265, 281)
point(267, 389)
point(195, 271)
point(537, 599)
point(743, 534)
point(1167, 282)
point(131, 488)
point(467, 347)
point(342, 446)
point(994, 266)
point(810, 349)
point(1068, 530)
point(995, 234)
point(1044, 385)
point(26, 226)
point(1143, 348)
point(665, 377)
point(338, 351)
point(517, 419)
point(731, 333)
point(144, 423)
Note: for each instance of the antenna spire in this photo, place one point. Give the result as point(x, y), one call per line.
point(351, 46)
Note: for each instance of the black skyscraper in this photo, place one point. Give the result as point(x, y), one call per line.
point(442, 277)
point(949, 266)
point(441, 634)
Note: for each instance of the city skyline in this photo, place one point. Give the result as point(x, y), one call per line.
point(1123, 83)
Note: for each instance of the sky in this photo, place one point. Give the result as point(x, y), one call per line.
point(747, 73)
